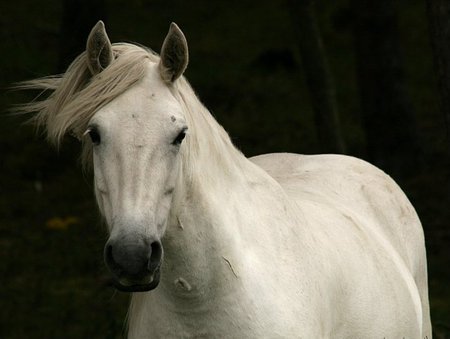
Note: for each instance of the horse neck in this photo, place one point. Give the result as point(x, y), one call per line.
point(217, 213)
point(202, 242)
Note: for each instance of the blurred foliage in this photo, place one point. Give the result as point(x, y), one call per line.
point(62, 224)
point(246, 69)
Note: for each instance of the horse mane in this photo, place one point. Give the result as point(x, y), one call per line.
point(208, 146)
point(75, 96)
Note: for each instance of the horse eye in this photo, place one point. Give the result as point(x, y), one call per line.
point(94, 135)
point(179, 137)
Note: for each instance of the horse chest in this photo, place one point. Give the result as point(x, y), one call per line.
point(229, 317)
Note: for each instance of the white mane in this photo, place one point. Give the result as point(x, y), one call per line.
point(76, 96)
point(207, 141)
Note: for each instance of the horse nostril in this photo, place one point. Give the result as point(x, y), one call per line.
point(155, 257)
point(109, 259)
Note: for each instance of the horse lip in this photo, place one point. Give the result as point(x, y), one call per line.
point(139, 287)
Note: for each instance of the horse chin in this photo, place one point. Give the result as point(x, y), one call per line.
point(140, 287)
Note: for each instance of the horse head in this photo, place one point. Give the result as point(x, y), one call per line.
point(136, 140)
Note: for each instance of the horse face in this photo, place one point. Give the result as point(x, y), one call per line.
point(136, 142)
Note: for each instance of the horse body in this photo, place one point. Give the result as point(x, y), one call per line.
point(278, 246)
point(371, 212)
point(306, 262)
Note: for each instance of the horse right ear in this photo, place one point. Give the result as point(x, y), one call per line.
point(98, 49)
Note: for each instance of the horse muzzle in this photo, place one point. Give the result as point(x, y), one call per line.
point(134, 261)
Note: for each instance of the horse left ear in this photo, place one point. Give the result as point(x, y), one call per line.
point(98, 49)
point(174, 54)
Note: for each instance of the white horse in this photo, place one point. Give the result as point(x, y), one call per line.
point(276, 246)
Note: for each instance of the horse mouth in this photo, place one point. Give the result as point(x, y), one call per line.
point(124, 286)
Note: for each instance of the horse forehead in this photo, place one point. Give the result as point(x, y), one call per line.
point(148, 94)
point(148, 98)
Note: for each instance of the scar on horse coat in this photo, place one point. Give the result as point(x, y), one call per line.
point(214, 244)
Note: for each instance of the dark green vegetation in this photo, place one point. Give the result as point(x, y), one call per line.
point(246, 67)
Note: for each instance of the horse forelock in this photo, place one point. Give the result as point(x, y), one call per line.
point(75, 96)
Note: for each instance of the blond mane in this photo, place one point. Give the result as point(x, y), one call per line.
point(75, 96)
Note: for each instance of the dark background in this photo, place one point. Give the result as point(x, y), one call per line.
point(354, 77)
